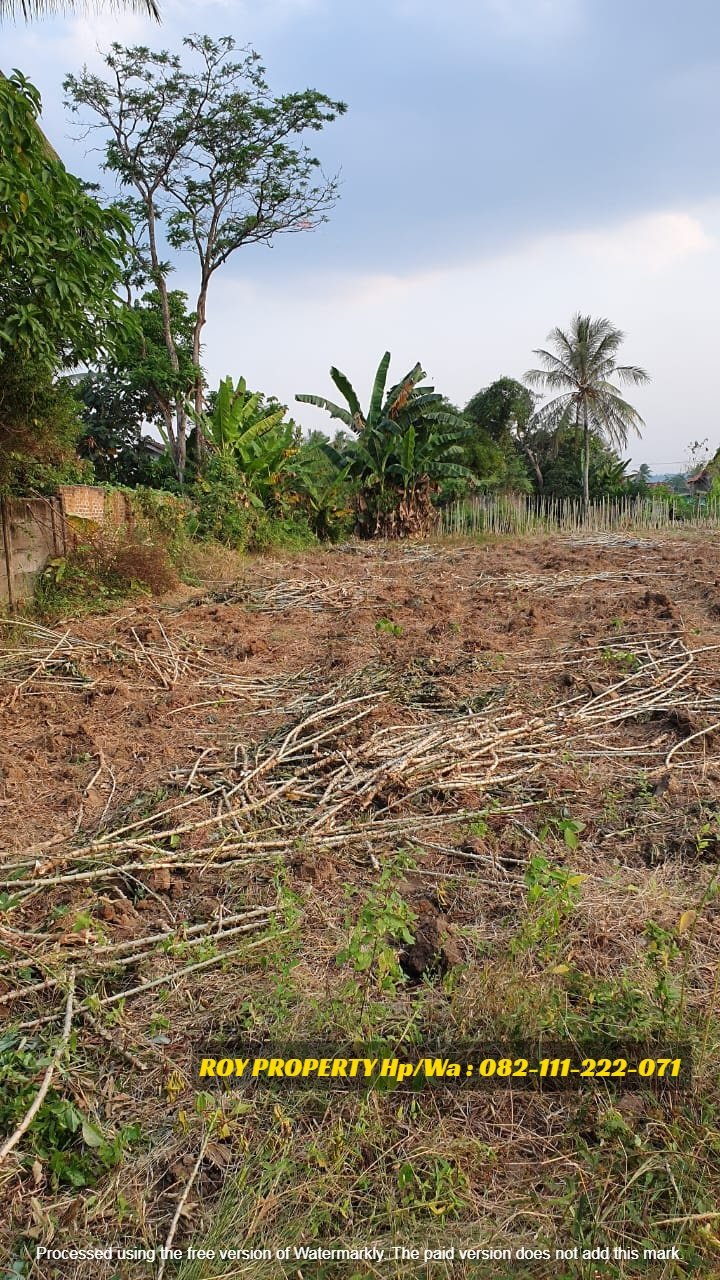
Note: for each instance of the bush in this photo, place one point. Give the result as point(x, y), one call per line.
point(39, 425)
point(222, 505)
point(227, 512)
point(162, 516)
point(103, 569)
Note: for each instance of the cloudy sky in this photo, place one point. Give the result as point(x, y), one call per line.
point(504, 163)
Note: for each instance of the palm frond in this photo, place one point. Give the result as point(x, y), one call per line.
point(631, 373)
point(335, 410)
point(346, 389)
point(30, 9)
point(378, 388)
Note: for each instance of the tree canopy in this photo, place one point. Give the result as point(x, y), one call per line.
point(210, 160)
point(406, 442)
point(62, 255)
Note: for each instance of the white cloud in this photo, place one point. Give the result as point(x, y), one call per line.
point(651, 244)
point(657, 277)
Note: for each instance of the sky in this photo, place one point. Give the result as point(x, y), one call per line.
point(503, 164)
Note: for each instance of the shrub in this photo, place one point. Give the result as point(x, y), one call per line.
point(39, 424)
point(105, 568)
point(227, 512)
point(221, 503)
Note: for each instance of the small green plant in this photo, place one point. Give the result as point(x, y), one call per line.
point(569, 828)
point(433, 1184)
point(552, 894)
point(384, 922)
point(662, 950)
point(74, 1150)
point(384, 626)
point(622, 659)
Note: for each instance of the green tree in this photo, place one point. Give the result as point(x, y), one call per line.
point(211, 157)
point(500, 408)
point(406, 444)
point(62, 256)
point(579, 369)
point(138, 387)
point(239, 419)
point(241, 425)
point(607, 473)
point(501, 415)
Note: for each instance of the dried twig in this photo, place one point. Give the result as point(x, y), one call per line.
point(183, 1200)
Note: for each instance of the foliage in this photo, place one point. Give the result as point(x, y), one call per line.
point(162, 517)
point(321, 489)
point(384, 922)
point(242, 426)
point(552, 894)
point(112, 427)
point(208, 153)
point(226, 512)
point(69, 1144)
point(563, 477)
point(406, 444)
point(103, 569)
point(138, 388)
point(501, 408)
point(39, 425)
point(61, 254)
point(238, 418)
point(579, 369)
point(501, 445)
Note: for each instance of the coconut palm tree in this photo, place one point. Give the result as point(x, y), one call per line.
point(28, 9)
point(579, 369)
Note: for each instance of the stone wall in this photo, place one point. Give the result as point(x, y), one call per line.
point(35, 530)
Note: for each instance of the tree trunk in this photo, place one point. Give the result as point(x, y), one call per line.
point(532, 459)
point(201, 316)
point(178, 437)
point(198, 390)
point(586, 460)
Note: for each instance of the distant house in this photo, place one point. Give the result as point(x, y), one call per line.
point(702, 481)
point(155, 448)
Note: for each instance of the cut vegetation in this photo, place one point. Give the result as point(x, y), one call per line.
point(421, 792)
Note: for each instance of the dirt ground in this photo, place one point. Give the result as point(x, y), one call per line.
point(224, 812)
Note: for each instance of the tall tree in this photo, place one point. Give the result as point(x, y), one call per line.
point(137, 386)
point(211, 158)
point(579, 369)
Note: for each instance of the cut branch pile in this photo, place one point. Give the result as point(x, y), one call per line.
point(564, 583)
point(313, 594)
point(48, 659)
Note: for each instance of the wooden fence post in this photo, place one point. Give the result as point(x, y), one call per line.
point(7, 547)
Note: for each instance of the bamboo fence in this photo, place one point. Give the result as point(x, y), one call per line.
point(526, 513)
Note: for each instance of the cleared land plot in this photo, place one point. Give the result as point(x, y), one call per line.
point(220, 816)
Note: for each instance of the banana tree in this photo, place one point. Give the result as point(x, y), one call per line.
point(407, 443)
point(241, 426)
